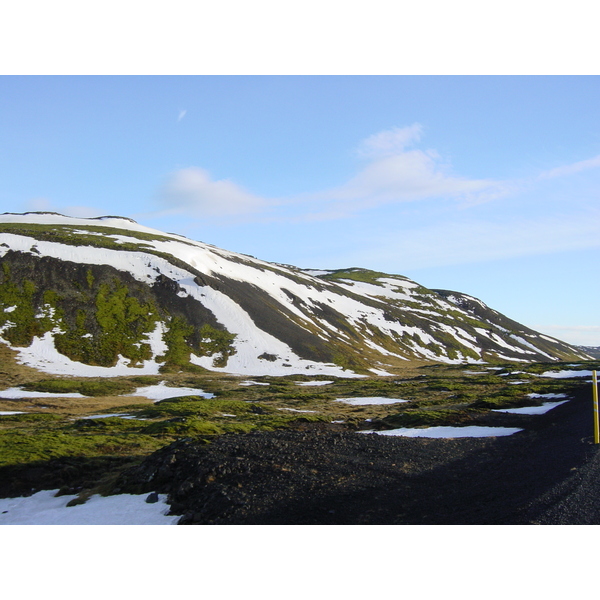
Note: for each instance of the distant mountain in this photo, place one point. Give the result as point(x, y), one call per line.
point(593, 351)
point(108, 297)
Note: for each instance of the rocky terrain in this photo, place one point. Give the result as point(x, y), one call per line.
point(546, 475)
point(323, 473)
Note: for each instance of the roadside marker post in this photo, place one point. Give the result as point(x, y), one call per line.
point(595, 396)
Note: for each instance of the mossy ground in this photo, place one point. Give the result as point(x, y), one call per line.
point(434, 395)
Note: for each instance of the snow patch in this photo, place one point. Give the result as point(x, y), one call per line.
point(566, 374)
point(369, 401)
point(16, 393)
point(45, 508)
point(160, 391)
point(449, 432)
point(43, 355)
point(531, 410)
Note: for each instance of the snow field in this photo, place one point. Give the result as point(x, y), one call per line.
point(45, 508)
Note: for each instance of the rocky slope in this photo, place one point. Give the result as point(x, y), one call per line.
point(109, 297)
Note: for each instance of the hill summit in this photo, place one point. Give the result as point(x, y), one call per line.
point(110, 297)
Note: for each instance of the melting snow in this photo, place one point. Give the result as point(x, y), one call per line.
point(18, 393)
point(566, 374)
point(307, 383)
point(449, 432)
point(253, 383)
point(11, 412)
point(161, 391)
point(45, 508)
point(120, 415)
point(369, 401)
point(531, 410)
point(43, 355)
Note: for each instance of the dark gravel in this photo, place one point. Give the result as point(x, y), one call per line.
point(548, 474)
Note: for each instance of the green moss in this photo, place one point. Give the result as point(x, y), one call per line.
point(17, 448)
point(29, 418)
point(216, 342)
point(21, 321)
point(122, 321)
point(426, 418)
point(176, 339)
point(184, 427)
point(86, 387)
point(106, 424)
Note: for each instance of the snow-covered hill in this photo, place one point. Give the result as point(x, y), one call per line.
point(110, 297)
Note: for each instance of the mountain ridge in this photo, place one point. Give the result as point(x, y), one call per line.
point(107, 296)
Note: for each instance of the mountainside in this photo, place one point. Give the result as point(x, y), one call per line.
point(108, 297)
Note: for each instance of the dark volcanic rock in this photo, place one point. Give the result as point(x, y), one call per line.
point(322, 476)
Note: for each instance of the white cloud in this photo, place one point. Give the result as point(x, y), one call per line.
point(583, 165)
point(408, 176)
point(192, 191)
point(472, 240)
point(182, 114)
point(395, 174)
point(391, 141)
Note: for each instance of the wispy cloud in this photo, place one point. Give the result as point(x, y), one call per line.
point(391, 141)
point(192, 191)
point(182, 114)
point(583, 165)
point(473, 240)
point(393, 172)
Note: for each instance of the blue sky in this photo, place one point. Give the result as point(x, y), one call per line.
point(489, 185)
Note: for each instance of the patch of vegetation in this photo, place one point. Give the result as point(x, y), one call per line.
point(217, 343)
point(427, 418)
point(107, 424)
point(16, 448)
point(86, 387)
point(28, 418)
point(176, 338)
point(184, 427)
point(364, 275)
point(18, 312)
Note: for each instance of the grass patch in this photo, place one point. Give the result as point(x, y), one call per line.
point(16, 448)
point(86, 387)
point(427, 418)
